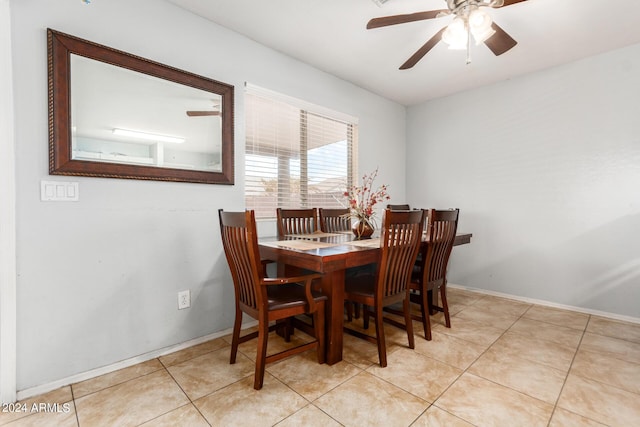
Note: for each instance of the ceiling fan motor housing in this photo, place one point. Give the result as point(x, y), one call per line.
point(465, 6)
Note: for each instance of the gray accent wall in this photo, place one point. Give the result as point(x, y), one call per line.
point(545, 169)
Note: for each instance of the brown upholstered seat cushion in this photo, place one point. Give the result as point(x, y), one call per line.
point(364, 284)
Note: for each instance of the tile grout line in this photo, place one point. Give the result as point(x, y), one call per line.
point(564, 383)
point(75, 407)
point(191, 402)
point(166, 368)
point(461, 374)
point(309, 402)
point(478, 358)
point(605, 355)
point(121, 383)
point(116, 384)
point(228, 385)
point(463, 371)
point(507, 330)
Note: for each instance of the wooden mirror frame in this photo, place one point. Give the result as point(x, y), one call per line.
point(60, 47)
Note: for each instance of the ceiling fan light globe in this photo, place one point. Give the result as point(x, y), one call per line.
point(455, 41)
point(457, 25)
point(480, 25)
point(456, 35)
point(479, 20)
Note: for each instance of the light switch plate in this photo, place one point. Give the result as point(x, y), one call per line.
point(58, 191)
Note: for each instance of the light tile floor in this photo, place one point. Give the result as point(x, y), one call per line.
point(503, 363)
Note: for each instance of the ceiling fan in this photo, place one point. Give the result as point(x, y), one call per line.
point(470, 20)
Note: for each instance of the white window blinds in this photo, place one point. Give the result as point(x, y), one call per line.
point(297, 155)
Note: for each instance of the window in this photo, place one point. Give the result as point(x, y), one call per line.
point(297, 155)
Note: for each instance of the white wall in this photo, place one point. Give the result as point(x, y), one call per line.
point(98, 279)
point(7, 215)
point(546, 171)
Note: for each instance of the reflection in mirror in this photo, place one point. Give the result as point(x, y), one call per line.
point(122, 116)
point(113, 114)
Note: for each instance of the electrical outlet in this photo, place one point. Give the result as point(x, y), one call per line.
point(184, 299)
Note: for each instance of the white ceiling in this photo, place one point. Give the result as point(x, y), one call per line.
point(331, 35)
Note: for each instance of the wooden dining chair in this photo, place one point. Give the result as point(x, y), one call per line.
point(267, 300)
point(334, 220)
point(431, 274)
point(399, 207)
point(400, 241)
point(296, 221)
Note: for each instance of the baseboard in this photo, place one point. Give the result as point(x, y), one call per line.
point(83, 376)
point(608, 315)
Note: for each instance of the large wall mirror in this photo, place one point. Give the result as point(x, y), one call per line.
point(113, 114)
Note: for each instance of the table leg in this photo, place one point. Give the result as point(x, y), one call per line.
point(333, 287)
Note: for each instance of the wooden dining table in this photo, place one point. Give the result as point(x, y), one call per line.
point(330, 254)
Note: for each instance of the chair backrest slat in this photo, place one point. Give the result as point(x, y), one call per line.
point(296, 221)
point(334, 220)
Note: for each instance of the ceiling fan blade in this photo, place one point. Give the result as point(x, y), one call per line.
point(423, 50)
point(500, 42)
point(402, 19)
point(202, 113)
point(510, 2)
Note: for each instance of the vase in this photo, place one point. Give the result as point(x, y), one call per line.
point(362, 229)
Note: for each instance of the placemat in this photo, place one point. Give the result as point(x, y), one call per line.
point(366, 243)
point(302, 244)
point(315, 235)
